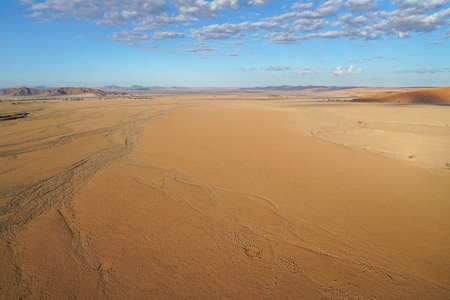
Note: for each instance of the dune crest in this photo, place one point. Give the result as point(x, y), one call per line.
point(432, 96)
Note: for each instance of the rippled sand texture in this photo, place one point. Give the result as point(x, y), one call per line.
point(224, 196)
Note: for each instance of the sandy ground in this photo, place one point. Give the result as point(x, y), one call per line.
point(224, 196)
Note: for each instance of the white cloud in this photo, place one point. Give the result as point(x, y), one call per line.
point(167, 35)
point(28, 2)
point(130, 37)
point(423, 5)
point(258, 2)
point(199, 47)
point(304, 20)
point(436, 43)
point(403, 34)
point(226, 31)
point(309, 71)
point(361, 5)
point(106, 12)
point(205, 9)
point(277, 68)
point(307, 25)
point(367, 24)
point(339, 72)
point(328, 34)
point(35, 14)
point(302, 5)
point(78, 37)
point(269, 69)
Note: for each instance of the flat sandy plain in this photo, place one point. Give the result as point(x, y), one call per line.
point(224, 195)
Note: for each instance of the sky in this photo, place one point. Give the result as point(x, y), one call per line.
point(224, 43)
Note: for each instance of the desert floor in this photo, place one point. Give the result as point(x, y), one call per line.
point(227, 195)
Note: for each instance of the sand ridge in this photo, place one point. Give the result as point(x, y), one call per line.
point(213, 196)
point(432, 95)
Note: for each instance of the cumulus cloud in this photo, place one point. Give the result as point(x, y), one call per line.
point(130, 37)
point(306, 25)
point(363, 21)
point(167, 35)
point(114, 12)
point(277, 68)
point(198, 48)
point(309, 71)
point(106, 12)
point(404, 34)
point(422, 5)
point(337, 72)
point(340, 72)
point(285, 38)
point(217, 32)
point(304, 20)
point(226, 31)
point(302, 5)
point(361, 5)
point(258, 2)
point(29, 2)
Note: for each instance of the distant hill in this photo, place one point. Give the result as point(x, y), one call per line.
point(430, 95)
point(313, 88)
point(310, 88)
point(24, 91)
point(140, 88)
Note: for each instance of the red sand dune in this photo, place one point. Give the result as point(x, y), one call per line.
point(432, 95)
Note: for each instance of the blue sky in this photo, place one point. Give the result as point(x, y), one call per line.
point(224, 43)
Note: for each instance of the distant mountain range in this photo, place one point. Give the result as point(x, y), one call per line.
point(318, 88)
point(114, 89)
point(42, 90)
point(24, 91)
point(140, 88)
point(120, 90)
point(39, 87)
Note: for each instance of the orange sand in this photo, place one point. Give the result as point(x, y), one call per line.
point(224, 196)
point(430, 95)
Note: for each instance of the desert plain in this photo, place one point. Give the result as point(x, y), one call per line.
point(224, 195)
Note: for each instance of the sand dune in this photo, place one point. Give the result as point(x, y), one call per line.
point(224, 196)
point(432, 95)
